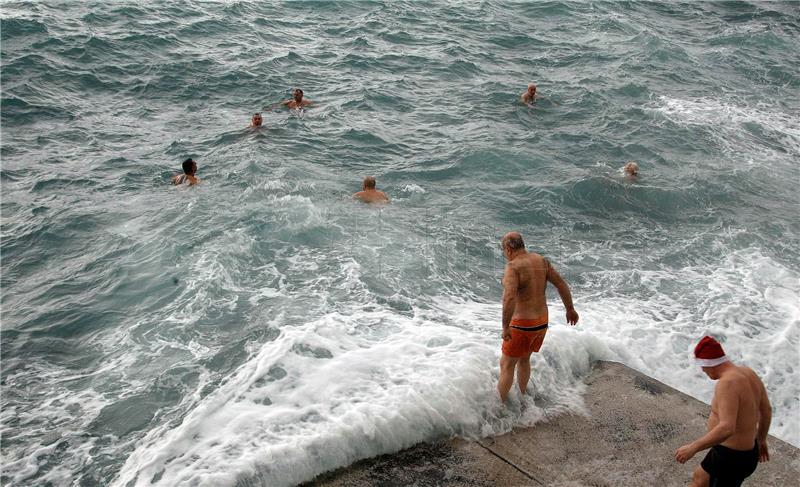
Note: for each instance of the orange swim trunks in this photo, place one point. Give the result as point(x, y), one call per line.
point(527, 336)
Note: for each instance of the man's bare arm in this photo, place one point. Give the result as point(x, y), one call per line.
point(510, 285)
point(727, 400)
point(728, 410)
point(764, 421)
point(563, 291)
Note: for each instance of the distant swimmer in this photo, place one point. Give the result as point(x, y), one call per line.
point(257, 120)
point(529, 96)
point(738, 425)
point(370, 194)
point(188, 176)
point(631, 169)
point(525, 316)
point(297, 100)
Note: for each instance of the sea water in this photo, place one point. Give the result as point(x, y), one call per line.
point(262, 327)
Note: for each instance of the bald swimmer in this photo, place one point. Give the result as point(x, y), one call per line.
point(631, 169)
point(525, 318)
point(369, 194)
point(529, 96)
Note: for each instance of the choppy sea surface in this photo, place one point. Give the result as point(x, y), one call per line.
point(261, 328)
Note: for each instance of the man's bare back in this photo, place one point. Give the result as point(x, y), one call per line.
point(524, 283)
point(371, 196)
point(531, 272)
point(743, 387)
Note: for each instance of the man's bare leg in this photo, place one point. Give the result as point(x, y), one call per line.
point(507, 365)
point(523, 373)
point(700, 478)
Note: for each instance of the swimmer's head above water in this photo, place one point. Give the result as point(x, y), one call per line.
point(369, 183)
point(529, 95)
point(298, 95)
point(257, 120)
point(189, 170)
point(631, 169)
point(369, 194)
point(189, 167)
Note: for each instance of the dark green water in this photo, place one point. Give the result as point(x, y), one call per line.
point(262, 328)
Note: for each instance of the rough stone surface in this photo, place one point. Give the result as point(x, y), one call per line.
point(629, 438)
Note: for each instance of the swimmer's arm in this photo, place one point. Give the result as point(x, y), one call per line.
point(510, 286)
point(728, 404)
point(563, 289)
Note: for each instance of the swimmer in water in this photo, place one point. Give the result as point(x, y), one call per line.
point(188, 176)
point(370, 194)
point(631, 169)
point(529, 96)
point(297, 100)
point(257, 120)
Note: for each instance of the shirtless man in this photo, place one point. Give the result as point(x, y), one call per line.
point(257, 120)
point(370, 194)
point(738, 425)
point(188, 176)
point(525, 315)
point(297, 101)
point(529, 96)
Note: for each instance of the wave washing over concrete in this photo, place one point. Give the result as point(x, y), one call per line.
point(632, 426)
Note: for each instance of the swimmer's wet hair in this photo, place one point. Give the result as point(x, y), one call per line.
point(514, 242)
point(187, 165)
point(369, 182)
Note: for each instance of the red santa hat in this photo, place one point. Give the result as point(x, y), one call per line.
point(709, 353)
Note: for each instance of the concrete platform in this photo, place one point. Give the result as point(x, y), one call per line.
point(634, 426)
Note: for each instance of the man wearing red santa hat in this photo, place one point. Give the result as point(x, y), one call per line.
point(738, 425)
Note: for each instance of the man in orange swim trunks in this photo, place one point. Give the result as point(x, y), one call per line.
point(525, 310)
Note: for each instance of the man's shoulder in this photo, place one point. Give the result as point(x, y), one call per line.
point(535, 258)
point(736, 381)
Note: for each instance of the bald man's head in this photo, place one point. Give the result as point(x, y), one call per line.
point(513, 241)
point(369, 182)
point(631, 168)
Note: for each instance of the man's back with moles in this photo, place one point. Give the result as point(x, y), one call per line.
point(530, 270)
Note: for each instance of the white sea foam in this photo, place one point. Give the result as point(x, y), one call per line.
point(364, 380)
point(728, 121)
point(414, 188)
point(349, 386)
point(746, 300)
